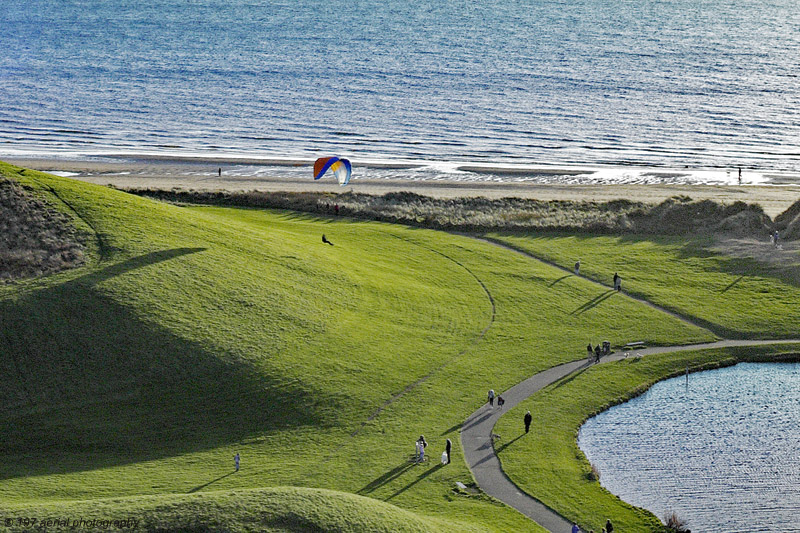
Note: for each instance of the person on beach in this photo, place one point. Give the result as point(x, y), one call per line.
point(740, 175)
point(447, 446)
point(578, 267)
point(617, 282)
point(421, 445)
point(528, 419)
point(219, 172)
point(500, 402)
point(491, 397)
point(236, 462)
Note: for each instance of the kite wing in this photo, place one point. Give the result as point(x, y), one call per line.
point(340, 167)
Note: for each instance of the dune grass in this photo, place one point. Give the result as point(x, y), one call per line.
point(734, 297)
point(547, 462)
point(196, 333)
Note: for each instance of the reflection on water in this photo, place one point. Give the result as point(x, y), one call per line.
point(722, 453)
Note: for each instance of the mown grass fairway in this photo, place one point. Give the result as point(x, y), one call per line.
point(734, 297)
point(197, 333)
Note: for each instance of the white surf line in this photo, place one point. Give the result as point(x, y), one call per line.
point(476, 433)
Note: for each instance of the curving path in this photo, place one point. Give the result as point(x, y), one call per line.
point(476, 433)
point(476, 440)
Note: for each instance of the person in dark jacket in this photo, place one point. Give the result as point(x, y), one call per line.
point(528, 419)
point(447, 446)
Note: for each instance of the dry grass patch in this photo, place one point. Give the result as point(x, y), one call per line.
point(35, 238)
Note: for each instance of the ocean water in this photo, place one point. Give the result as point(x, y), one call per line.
point(722, 454)
point(644, 90)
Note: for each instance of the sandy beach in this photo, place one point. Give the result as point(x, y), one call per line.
point(202, 174)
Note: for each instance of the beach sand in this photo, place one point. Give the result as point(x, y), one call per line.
point(202, 174)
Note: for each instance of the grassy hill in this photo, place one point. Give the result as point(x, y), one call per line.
point(736, 297)
point(192, 334)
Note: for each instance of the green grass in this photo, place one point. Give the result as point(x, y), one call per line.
point(547, 462)
point(196, 333)
point(250, 510)
point(734, 297)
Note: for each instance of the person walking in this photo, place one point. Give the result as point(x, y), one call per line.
point(617, 282)
point(491, 397)
point(609, 527)
point(590, 350)
point(575, 528)
point(448, 445)
point(578, 267)
point(500, 402)
point(236, 462)
point(528, 419)
point(421, 445)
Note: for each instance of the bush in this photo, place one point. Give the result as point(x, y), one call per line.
point(35, 238)
point(675, 523)
point(675, 216)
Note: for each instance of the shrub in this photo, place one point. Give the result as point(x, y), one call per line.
point(675, 523)
point(35, 238)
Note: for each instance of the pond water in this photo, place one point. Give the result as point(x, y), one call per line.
point(721, 452)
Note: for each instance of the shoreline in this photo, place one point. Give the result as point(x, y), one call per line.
point(202, 174)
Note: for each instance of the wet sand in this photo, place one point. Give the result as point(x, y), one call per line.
point(202, 174)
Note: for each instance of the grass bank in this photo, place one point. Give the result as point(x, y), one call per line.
point(547, 462)
point(196, 333)
point(734, 297)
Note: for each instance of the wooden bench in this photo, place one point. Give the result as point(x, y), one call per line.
point(635, 345)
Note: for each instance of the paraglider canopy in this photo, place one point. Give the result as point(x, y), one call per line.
point(340, 167)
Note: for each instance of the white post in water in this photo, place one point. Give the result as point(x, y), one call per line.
point(687, 378)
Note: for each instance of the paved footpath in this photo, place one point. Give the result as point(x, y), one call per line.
point(477, 430)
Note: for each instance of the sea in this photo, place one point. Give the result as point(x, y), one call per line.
point(719, 451)
point(629, 91)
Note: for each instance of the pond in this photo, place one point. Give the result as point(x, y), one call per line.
point(722, 452)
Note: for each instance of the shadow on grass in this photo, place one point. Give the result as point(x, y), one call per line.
point(729, 287)
point(388, 477)
point(509, 443)
point(450, 430)
point(594, 302)
point(422, 476)
point(559, 279)
point(201, 487)
point(89, 383)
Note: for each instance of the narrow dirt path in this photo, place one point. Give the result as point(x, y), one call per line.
point(694, 321)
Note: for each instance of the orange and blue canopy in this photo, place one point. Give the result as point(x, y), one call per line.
point(340, 167)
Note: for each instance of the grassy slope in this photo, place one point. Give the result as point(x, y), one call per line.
point(249, 510)
point(547, 461)
point(737, 298)
point(197, 333)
